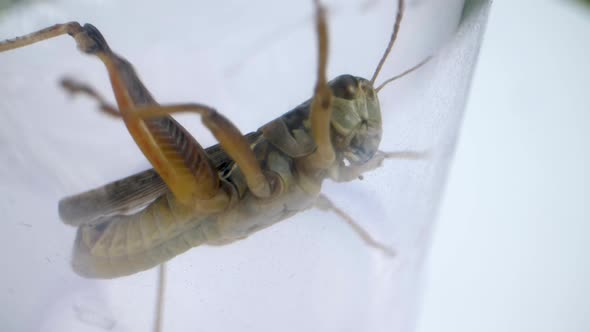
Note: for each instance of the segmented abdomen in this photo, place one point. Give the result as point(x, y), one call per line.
point(128, 244)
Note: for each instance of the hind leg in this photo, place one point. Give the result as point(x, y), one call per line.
point(228, 135)
point(177, 157)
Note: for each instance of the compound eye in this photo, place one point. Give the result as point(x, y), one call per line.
point(345, 87)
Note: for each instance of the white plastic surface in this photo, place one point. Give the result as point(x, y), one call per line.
point(252, 61)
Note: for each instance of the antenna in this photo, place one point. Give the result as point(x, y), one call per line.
point(382, 85)
point(396, 26)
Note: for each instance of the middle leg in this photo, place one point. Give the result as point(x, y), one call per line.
point(73, 87)
point(325, 204)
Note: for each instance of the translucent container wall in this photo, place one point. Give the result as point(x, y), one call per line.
point(253, 61)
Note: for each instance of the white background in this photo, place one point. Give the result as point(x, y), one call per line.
point(511, 247)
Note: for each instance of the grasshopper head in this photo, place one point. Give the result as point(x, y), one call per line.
point(356, 119)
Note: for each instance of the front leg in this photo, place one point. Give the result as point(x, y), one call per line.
point(321, 106)
point(350, 173)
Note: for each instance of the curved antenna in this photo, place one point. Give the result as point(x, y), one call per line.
point(423, 62)
point(396, 26)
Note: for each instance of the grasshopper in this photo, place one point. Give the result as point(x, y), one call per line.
point(217, 195)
